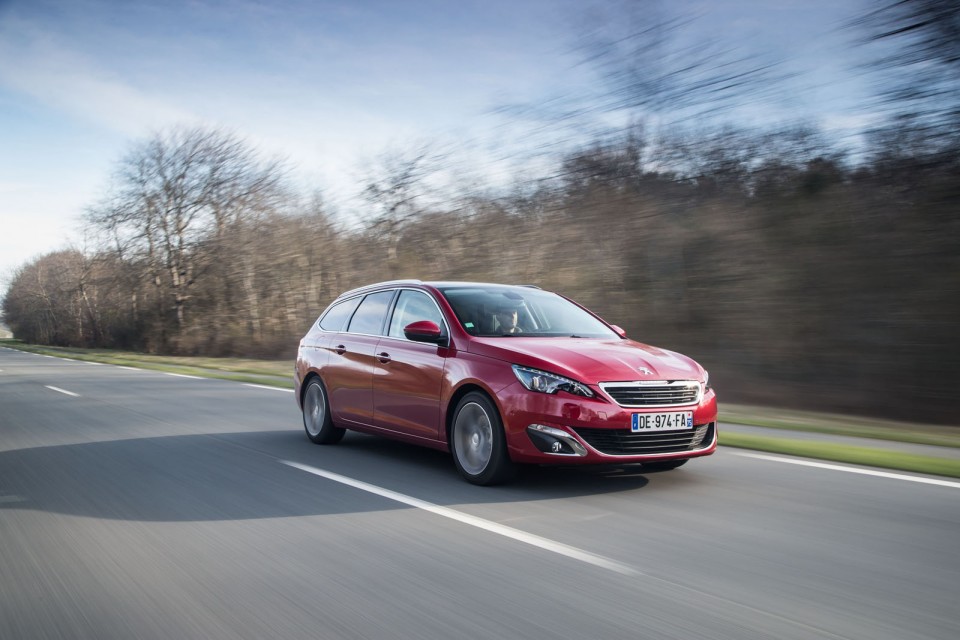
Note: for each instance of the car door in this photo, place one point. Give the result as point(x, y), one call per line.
point(348, 374)
point(313, 352)
point(408, 375)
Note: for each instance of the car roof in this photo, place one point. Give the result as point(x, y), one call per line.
point(437, 284)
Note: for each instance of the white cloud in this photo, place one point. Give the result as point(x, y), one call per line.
point(849, 122)
point(30, 225)
point(56, 76)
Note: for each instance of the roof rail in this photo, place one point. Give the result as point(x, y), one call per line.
point(529, 286)
point(388, 283)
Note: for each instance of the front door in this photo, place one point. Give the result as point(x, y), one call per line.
point(408, 375)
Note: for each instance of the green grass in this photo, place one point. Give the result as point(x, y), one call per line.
point(279, 373)
point(840, 425)
point(866, 456)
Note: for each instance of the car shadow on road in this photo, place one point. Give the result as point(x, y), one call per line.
point(237, 476)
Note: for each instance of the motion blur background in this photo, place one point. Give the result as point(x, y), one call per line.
point(803, 265)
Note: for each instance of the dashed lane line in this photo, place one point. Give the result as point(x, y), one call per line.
point(64, 391)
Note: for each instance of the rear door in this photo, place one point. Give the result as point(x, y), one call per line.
point(348, 373)
point(313, 354)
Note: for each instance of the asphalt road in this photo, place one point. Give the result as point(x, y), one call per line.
point(137, 504)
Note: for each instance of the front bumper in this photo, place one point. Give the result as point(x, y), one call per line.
point(566, 429)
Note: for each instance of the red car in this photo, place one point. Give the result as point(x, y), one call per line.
point(499, 375)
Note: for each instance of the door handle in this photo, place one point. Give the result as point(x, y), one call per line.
point(383, 357)
point(340, 349)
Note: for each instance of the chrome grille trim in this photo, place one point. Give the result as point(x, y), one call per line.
point(654, 393)
point(623, 442)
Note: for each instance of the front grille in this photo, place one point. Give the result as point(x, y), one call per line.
point(623, 442)
point(667, 393)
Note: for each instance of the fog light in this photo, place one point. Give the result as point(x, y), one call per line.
point(554, 441)
point(698, 435)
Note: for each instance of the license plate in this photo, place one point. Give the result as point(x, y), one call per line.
point(643, 422)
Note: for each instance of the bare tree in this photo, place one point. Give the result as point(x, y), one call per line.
point(650, 63)
point(396, 187)
point(174, 192)
point(917, 45)
point(51, 300)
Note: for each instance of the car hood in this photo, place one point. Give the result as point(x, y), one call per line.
point(591, 361)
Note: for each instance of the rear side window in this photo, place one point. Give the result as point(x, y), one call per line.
point(370, 314)
point(337, 316)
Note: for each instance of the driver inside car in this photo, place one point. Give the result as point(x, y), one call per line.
point(506, 317)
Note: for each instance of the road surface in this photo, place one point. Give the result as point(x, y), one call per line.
point(138, 504)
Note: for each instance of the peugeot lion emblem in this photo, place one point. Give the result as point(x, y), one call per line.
point(645, 370)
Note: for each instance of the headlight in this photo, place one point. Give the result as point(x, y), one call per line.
point(706, 380)
point(543, 382)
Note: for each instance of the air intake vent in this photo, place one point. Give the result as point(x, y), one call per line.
point(623, 442)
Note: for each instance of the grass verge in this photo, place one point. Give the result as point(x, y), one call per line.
point(275, 373)
point(866, 456)
point(840, 425)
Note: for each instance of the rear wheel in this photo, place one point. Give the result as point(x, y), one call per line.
point(316, 415)
point(478, 443)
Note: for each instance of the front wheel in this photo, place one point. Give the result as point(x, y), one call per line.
point(478, 443)
point(316, 415)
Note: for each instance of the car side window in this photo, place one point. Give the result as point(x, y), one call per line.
point(411, 307)
point(370, 314)
point(337, 316)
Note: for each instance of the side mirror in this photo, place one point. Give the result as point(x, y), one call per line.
point(424, 331)
point(620, 332)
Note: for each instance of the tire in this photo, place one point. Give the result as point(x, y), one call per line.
point(477, 442)
point(316, 415)
point(666, 465)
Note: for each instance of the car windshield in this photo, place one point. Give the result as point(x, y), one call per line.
point(519, 311)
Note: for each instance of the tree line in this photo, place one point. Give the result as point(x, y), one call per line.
point(798, 275)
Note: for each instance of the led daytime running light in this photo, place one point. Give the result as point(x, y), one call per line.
point(543, 382)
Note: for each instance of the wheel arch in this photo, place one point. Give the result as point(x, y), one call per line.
point(306, 382)
point(455, 399)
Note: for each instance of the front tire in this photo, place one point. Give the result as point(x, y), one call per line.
point(478, 443)
point(316, 415)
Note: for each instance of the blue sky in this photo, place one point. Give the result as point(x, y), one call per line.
point(328, 85)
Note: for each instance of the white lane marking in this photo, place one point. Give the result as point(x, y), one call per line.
point(183, 375)
point(473, 521)
point(69, 393)
point(865, 472)
point(120, 366)
point(89, 362)
point(263, 386)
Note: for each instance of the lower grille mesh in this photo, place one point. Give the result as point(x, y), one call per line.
point(623, 442)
